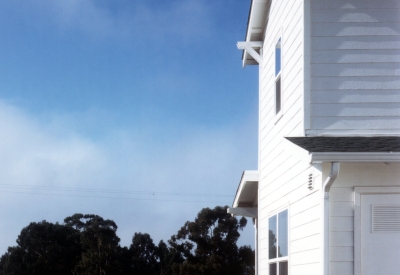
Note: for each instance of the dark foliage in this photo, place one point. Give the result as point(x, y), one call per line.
point(145, 259)
point(43, 248)
point(99, 242)
point(88, 244)
point(208, 245)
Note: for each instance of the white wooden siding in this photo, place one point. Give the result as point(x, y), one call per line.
point(345, 96)
point(367, 4)
point(307, 243)
point(305, 269)
point(359, 69)
point(342, 207)
point(283, 177)
point(355, 67)
point(305, 257)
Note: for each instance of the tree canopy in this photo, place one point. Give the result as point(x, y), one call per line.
point(88, 244)
point(208, 245)
point(99, 243)
point(43, 248)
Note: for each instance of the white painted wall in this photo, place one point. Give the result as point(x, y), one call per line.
point(283, 175)
point(350, 70)
point(342, 207)
point(355, 67)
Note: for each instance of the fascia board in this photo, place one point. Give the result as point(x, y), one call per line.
point(354, 157)
point(256, 17)
point(250, 212)
point(255, 21)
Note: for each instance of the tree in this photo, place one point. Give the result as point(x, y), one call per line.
point(208, 245)
point(11, 262)
point(145, 258)
point(99, 242)
point(88, 244)
point(168, 257)
point(43, 248)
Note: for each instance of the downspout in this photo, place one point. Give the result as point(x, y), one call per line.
point(255, 221)
point(335, 167)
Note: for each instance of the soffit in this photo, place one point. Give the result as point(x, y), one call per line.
point(246, 194)
point(255, 26)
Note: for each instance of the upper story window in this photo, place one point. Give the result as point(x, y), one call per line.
point(278, 244)
point(278, 64)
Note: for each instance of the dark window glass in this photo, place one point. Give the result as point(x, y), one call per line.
point(272, 237)
point(283, 268)
point(272, 269)
point(278, 58)
point(283, 234)
point(278, 95)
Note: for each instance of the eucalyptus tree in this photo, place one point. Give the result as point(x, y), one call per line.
point(43, 248)
point(207, 245)
point(99, 243)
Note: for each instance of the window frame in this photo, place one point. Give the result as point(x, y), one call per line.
point(278, 259)
point(278, 77)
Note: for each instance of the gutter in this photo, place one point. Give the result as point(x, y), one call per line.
point(319, 157)
point(335, 167)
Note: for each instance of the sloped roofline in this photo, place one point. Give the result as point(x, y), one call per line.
point(350, 149)
point(255, 25)
point(246, 193)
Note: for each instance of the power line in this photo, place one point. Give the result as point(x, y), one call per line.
point(110, 193)
point(74, 189)
point(111, 197)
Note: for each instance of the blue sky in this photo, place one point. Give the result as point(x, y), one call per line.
point(138, 111)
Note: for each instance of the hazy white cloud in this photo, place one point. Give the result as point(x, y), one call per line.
point(188, 19)
point(53, 152)
point(33, 153)
point(181, 20)
point(84, 15)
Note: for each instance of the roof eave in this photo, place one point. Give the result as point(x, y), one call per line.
point(248, 177)
point(255, 25)
point(321, 157)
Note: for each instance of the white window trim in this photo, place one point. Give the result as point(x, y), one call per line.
point(286, 258)
point(358, 191)
point(278, 115)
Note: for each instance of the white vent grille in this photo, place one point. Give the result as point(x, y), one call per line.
point(386, 218)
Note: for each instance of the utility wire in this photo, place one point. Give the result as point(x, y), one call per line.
point(144, 195)
point(74, 189)
point(108, 197)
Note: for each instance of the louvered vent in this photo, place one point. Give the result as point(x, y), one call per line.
point(386, 218)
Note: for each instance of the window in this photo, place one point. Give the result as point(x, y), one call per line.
point(278, 63)
point(278, 244)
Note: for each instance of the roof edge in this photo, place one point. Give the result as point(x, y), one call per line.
point(257, 15)
point(354, 157)
point(247, 177)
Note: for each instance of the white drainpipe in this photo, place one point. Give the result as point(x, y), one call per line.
point(335, 166)
point(255, 221)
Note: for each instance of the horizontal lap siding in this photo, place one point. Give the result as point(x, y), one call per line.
point(366, 4)
point(382, 42)
point(283, 176)
point(348, 96)
point(341, 223)
point(355, 67)
point(306, 269)
point(341, 231)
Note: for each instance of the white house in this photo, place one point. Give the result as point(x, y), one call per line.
point(326, 196)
